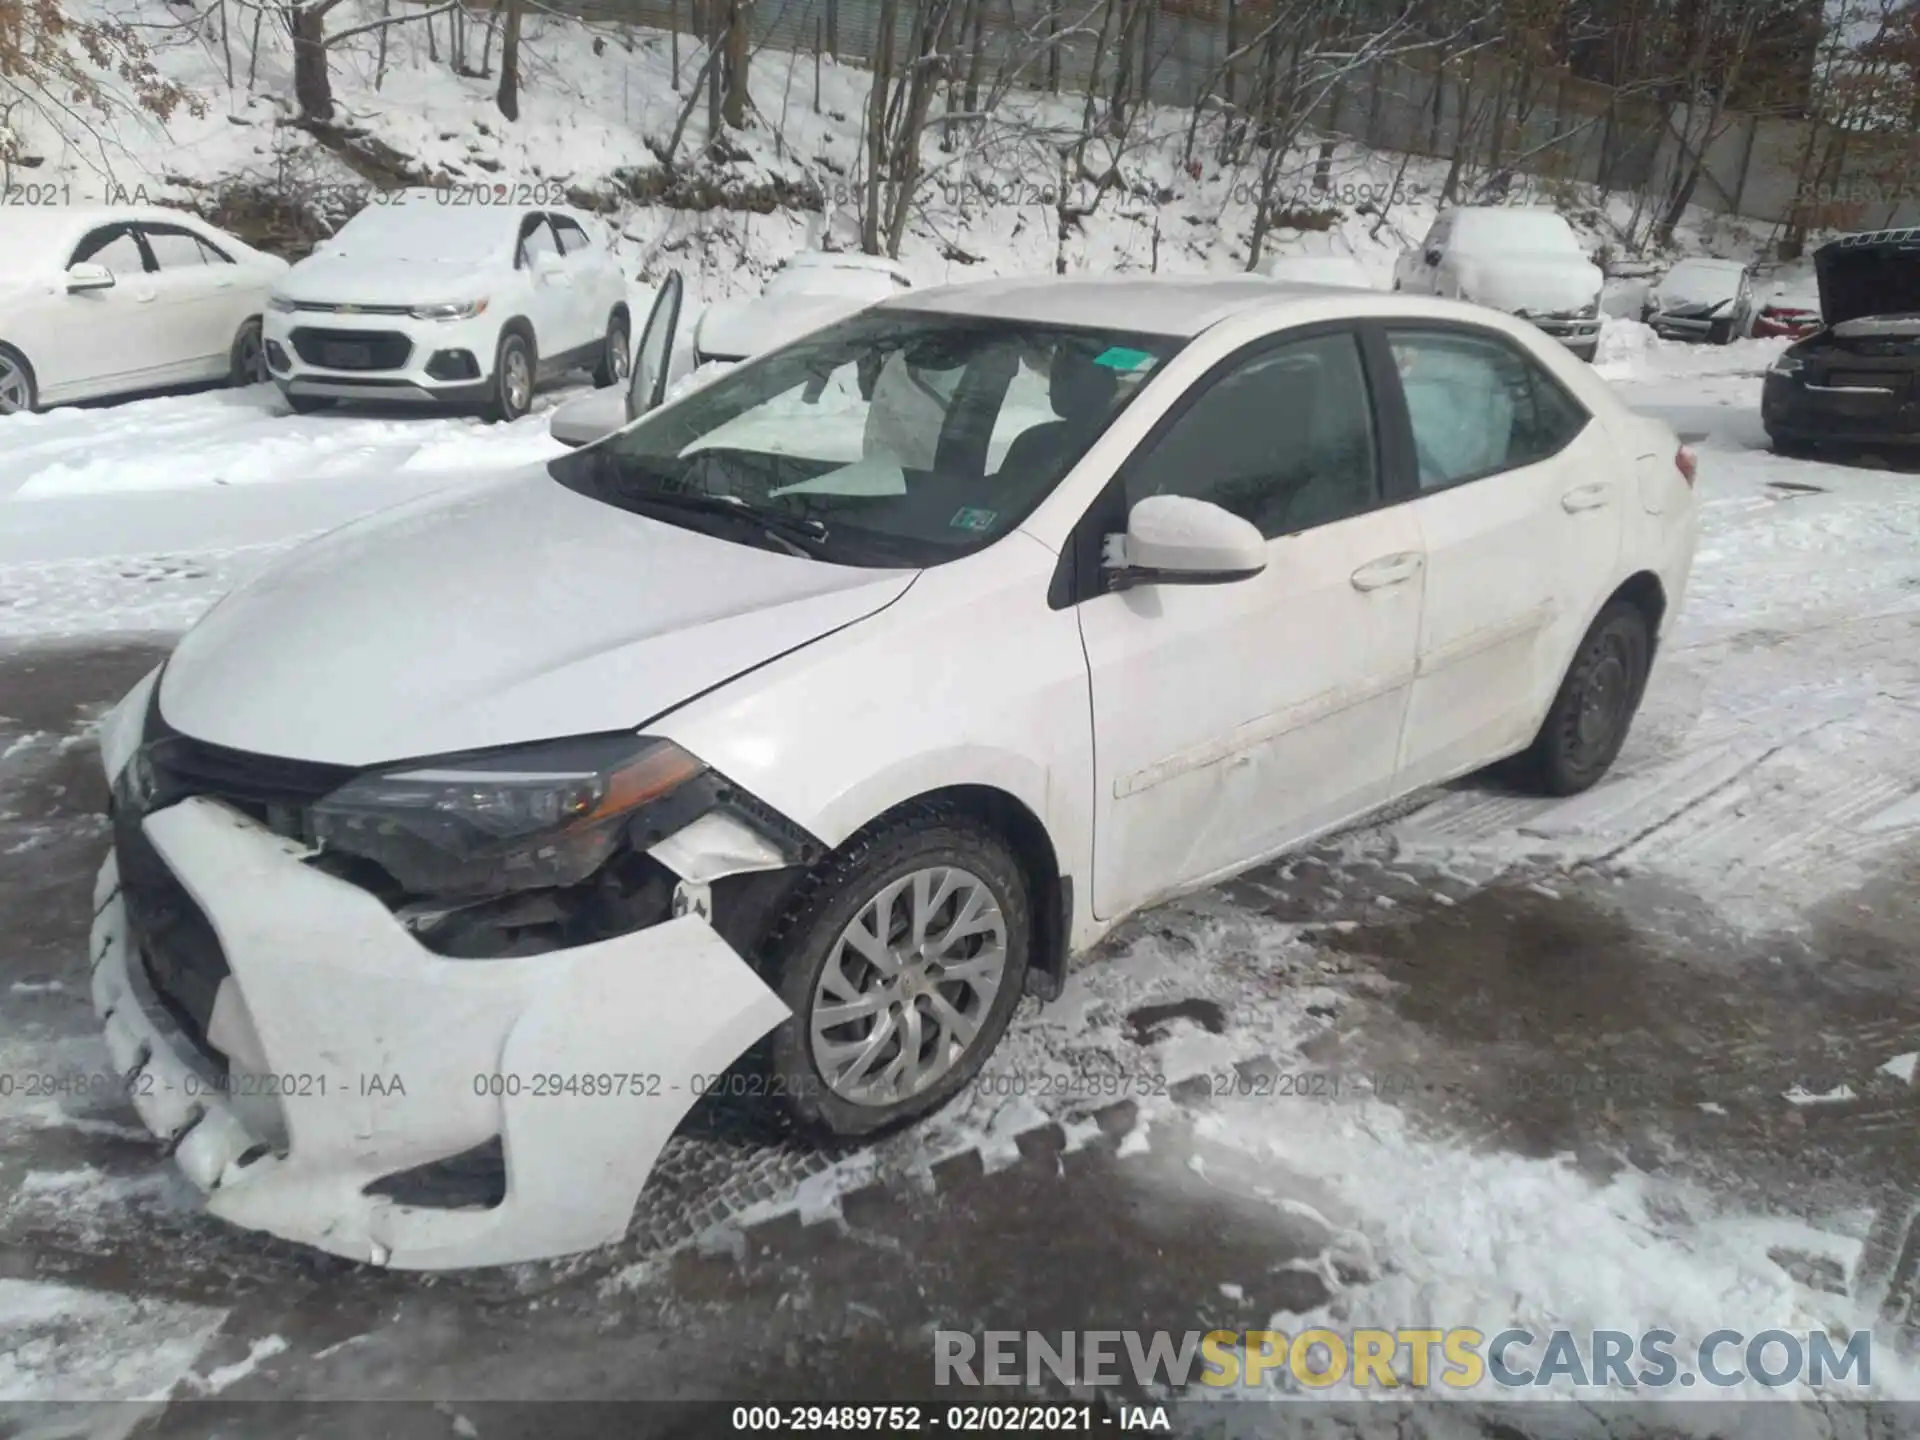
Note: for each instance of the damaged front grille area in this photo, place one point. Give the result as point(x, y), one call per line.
point(474, 1179)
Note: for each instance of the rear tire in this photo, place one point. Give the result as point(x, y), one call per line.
point(1594, 709)
point(19, 391)
point(513, 372)
point(616, 355)
point(926, 1012)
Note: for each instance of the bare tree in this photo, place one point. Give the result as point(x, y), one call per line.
point(76, 76)
point(508, 95)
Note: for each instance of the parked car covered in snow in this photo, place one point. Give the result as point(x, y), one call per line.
point(1702, 299)
point(1856, 381)
point(421, 299)
point(111, 300)
point(1524, 260)
point(555, 794)
point(812, 289)
point(1341, 270)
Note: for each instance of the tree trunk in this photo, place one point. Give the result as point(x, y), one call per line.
point(312, 86)
point(877, 124)
point(508, 96)
point(733, 107)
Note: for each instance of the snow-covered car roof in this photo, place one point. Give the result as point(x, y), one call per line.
point(1700, 278)
point(737, 329)
point(812, 289)
point(38, 239)
point(1512, 228)
point(1340, 270)
point(428, 224)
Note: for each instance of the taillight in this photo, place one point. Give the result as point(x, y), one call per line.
point(1687, 463)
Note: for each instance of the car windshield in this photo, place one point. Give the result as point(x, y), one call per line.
point(893, 438)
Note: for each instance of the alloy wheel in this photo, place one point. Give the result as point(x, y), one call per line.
point(15, 392)
point(618, 360)
point(907, 986)
point(252, 358)
point(518, 381)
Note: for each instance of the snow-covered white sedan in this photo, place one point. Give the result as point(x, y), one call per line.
point(458, 854)
point(1523, 259)
point(111, 300)
point(428, 296)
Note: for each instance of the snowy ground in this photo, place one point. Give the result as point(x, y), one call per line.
point(1643, 1058)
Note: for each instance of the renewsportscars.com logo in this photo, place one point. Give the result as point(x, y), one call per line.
point(1375, 1359)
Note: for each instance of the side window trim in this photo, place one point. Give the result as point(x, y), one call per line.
point(1077, 577)
point(534, 222)
point(114, 230)
point(1534, 371)
point(145, 232)
point(565, 227)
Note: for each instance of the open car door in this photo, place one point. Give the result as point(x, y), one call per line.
point(647, 380)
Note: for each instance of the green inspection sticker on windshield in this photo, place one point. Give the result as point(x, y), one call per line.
point(969, 518)
point(1121, 358)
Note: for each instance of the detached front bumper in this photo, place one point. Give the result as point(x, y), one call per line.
point(354, 1054)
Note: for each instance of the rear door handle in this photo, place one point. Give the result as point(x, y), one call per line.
point(1388, 570)
point(1585, 497)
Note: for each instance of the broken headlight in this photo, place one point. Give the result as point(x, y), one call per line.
point(518, 819)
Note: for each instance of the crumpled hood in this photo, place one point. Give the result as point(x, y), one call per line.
point(1533, 284)
point(1877, 273)
point(346, 279)
point(511, 612)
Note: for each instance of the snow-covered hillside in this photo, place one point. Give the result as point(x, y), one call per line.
point(604, 110)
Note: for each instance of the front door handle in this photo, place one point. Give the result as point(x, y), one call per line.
point(1585, 497)
point(1388, 570)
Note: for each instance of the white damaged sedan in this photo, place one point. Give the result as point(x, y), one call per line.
point(810, 721)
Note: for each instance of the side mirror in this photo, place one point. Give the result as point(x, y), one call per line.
point(591, 417)
point(1433, 257)
point(88, 276)
point(1177, 540)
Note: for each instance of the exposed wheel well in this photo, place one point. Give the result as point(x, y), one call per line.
point(1644, 590)
point(1033, 848)
point(521, 326)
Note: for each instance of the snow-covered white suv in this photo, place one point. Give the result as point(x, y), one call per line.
point(456, 855)
point(423, 296)
point(111, 300)
point(1522, 259)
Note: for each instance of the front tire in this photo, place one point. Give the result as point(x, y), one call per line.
point(19, 392)
point(512, 378)
point(1720, 332)
point(247, 360)
point(1590, 716)
point(902, 959)
point(616, 356)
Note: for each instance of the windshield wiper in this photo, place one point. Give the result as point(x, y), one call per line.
point(800, 534)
